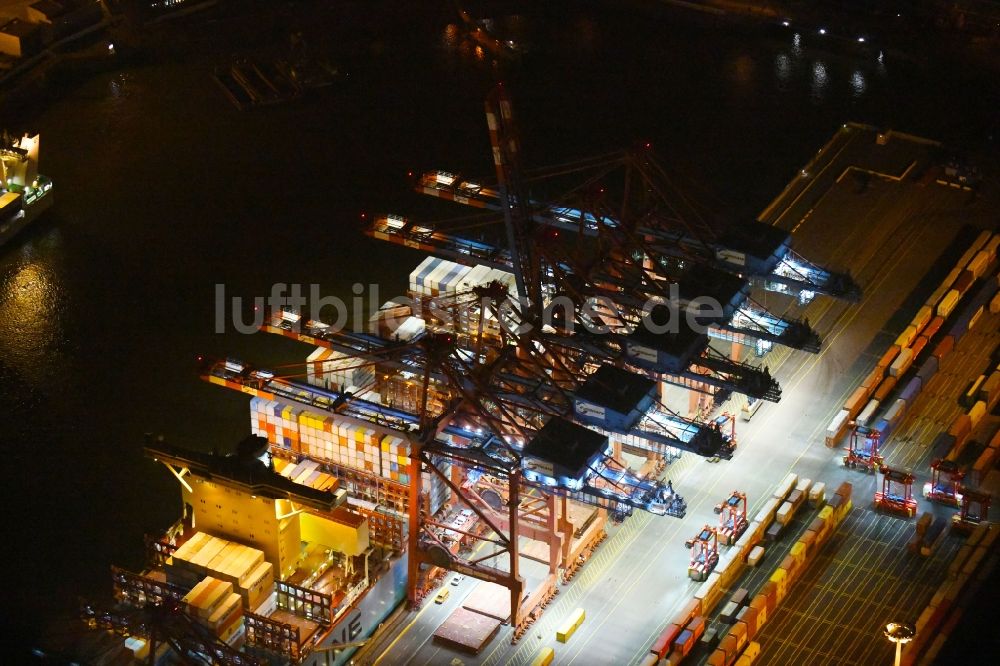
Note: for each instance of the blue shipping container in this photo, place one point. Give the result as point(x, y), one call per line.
point(927, 369)
point(912, 390)
point(884, 428)
point(942, 444)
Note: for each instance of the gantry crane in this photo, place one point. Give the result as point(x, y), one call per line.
point(751, 248)
point(742, 319)
point(704, 553)
point(945, 484)
point(732, 517)
point(863, 450)
point(633, 263)
point(974, 510)
point(896, 495)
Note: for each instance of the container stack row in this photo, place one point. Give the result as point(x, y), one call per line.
point(891, 374)
point(738, 647)
point(251, 577)
point(333, 370)
point(213, 604)
point(967, 574)
point(333, 439)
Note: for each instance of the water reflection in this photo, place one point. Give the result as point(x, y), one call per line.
point(450, 37)
point(858, 84)
point(743, 68)
point(783, 67)
point(820, 83)
point(29, 324)
point(797, 44)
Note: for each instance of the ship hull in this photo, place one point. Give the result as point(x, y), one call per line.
point(24, 218)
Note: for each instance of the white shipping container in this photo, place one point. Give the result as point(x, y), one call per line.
point(786, 485)
point(837, 423)
point(420, 273)
point(868, 412)
point(475, 277)
point(896, 411)
point(433, 280)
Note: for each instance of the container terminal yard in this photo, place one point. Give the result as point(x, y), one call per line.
point(491, 473)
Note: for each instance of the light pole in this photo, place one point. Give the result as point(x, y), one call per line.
point(899, 633)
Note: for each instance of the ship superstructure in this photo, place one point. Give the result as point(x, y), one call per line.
point(24, 193)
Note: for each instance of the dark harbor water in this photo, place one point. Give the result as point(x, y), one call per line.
point(163, 190)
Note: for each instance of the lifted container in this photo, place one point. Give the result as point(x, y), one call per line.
point(944, 486)
point(704, 553)
point(732, 517)
point(897, 492)
point(975, 509)
point(863, 452)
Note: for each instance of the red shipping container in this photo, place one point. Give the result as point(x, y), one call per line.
point(688, 613)
point(770, 590)
point(789, 565)
point(964, 281)
point(933, 327)
point(750, 616)
point(918, 345)
point(662, 645)
point(944, 347)
point(697, 626)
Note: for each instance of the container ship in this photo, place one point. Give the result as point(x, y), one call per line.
point(24, 193)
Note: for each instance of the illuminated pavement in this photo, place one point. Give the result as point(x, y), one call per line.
point(886, 236)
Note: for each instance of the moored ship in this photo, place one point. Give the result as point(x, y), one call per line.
point(24, 193)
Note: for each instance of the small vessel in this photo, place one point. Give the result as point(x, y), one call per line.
point(24, 193)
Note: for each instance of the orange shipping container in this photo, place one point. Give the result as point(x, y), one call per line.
point(888, 357)
point(960, 427)
point(740, 631)
point(918, 345)
point(885, 388)
point(717, 658)
point(873, 378)
point(728, 645)
point(856, 401)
